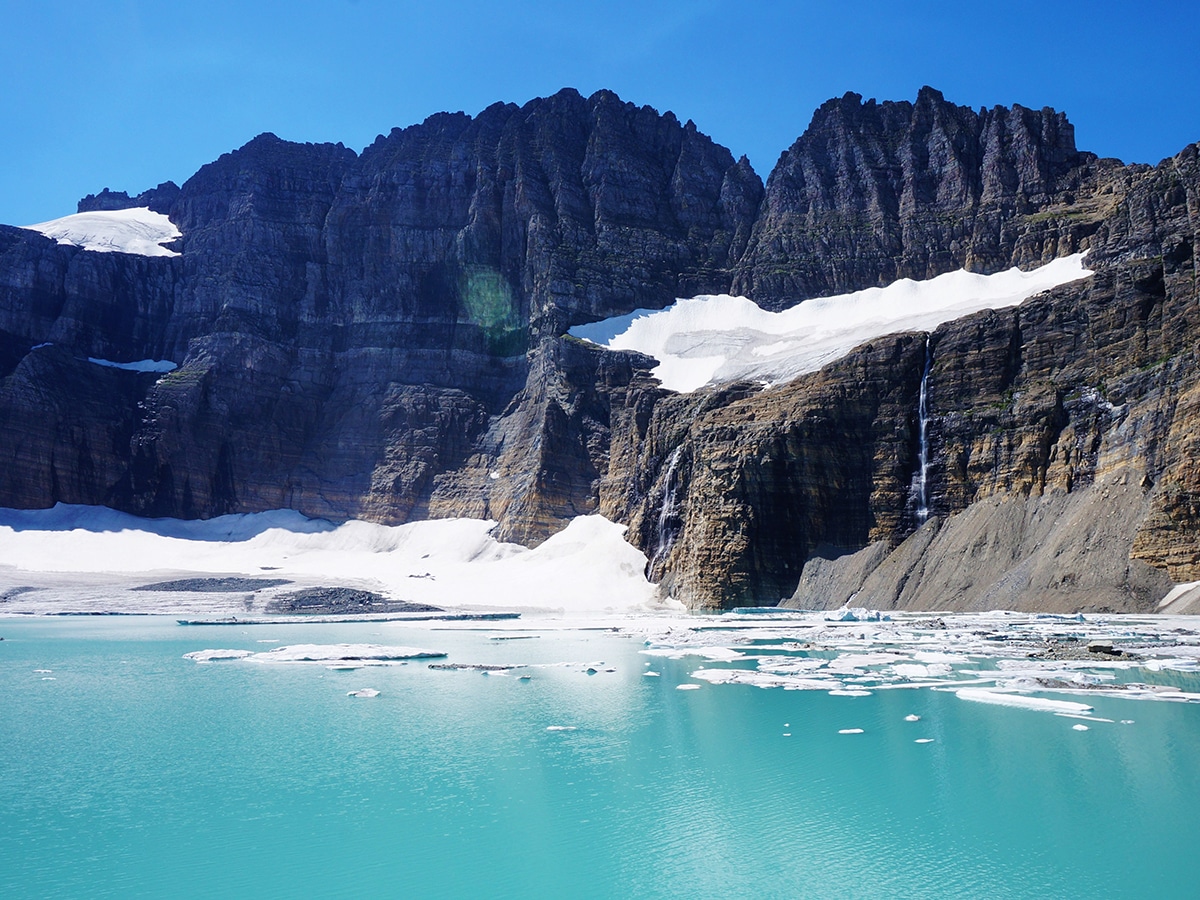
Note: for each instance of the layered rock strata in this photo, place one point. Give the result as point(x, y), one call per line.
point(380, 335)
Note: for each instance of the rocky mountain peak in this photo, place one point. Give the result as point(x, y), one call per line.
point(380, 335)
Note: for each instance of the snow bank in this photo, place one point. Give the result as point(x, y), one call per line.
point(588, 566)
point(717, 339)
point(137, 230)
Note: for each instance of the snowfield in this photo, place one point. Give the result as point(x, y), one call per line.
point(139, 230)
point(586, 567)
point(719, 339)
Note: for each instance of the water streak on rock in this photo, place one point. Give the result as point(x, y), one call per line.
point(921, 486)
point(668, 517)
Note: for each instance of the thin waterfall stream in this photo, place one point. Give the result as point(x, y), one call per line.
point(667, 512)
point(922, 477)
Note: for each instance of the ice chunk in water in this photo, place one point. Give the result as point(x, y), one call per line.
point(363, 692)
point(1023, 701)
point(211, 655)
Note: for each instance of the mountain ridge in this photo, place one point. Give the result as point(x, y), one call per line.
point(379, 334)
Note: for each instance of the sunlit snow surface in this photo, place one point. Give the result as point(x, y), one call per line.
point(139, 230)
point(720, 339)
point(588, 566)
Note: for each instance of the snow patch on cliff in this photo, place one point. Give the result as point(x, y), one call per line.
point(138, 230)
point(160, 366)
point(720, 339)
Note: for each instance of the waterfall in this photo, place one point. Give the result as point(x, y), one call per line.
point(668, 512)
point(921, 487)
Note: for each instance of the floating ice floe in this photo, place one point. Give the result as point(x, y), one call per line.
point(140, 231)
point(560, 727)
point(920, 670)
point(1079, 727)
point(923, 741)
point(1022, 701)
point(680, 651)
point(363, 692)
point(687, 687)
point(850, 731)
point(912, 718)
point(214, 655)
point(366, 654)
point(352, 652)
point(855, 614)
point(765, 679)
point(720, 339)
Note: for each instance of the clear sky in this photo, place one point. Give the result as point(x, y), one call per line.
point(127, 93)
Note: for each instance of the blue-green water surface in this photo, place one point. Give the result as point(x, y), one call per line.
point(129, 771)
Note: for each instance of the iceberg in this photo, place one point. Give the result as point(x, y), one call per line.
point(213, 655)
point(1022, 701)
point(338, 652)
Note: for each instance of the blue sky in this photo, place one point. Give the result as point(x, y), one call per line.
point(126, 94)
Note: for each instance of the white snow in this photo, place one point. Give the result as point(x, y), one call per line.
point(718, 339)
point(161, 366)
point(586, 567)
point(139, 231)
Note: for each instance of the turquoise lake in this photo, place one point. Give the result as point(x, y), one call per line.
point(128, 771)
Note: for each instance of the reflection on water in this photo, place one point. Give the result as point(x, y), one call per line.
point(137, 772)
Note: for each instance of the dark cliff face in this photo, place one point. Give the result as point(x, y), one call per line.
point(349, 327)
point(872, 192)
point(379, 335)
point(1062, 440)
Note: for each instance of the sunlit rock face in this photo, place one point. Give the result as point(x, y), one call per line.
point(381, 335)
point(1061, 443)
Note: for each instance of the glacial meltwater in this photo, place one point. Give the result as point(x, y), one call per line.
point(127, 770)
